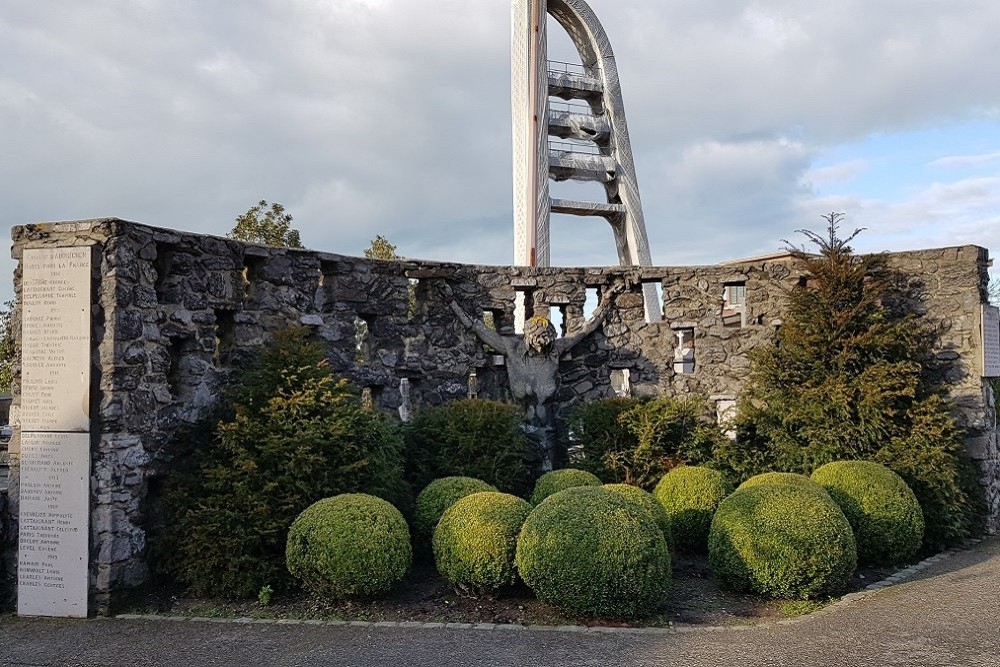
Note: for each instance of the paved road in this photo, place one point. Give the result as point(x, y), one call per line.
point(948, 614)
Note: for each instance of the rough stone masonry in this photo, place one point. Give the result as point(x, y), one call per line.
point(175, 313)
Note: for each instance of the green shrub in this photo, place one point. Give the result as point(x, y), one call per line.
point(471, 438)
point(476, 539)
point(885, 515)
point(854, 376)
point(353, 545)
point(595, 427)
point(649, 503)
point(782, 542)
point(690, 495)
point(793, 478)
point(637, 441)
point(437, 497)
point(559, 480)
point(293, 435)
point(591, 552)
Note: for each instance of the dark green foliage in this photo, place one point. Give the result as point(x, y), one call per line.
point(636, 441)
point(850, 379)
point(471, 438)
point(881, 508)
point(595, 427)
point(782, 541)
point(476, 539)
point(793, 478)
point(349, 546)
point(558, 480)
point(592, 552)
point(294, 435)
point(7, 350)
point(437, 497)
point(266, 226)
point(647, 501)
point(690, 495)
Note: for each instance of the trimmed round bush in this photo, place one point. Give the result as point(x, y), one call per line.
point(690, 495)
point(476, 539)
point(437, 497)
point(592, 552)
point(792, 478)
point(885, 515)
point(782, 541)
point(648, 503)
point(560, 480)
point(349, 546)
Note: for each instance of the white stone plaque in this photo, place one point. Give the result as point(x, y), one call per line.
point(55, 339)
point(54, 417)
point(991, 341)
point(54, 527)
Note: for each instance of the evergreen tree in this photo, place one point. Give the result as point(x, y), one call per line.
point(848, 379)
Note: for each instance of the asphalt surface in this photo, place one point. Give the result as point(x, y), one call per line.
point(947, 614)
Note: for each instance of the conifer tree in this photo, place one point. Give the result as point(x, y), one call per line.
point(848, 379)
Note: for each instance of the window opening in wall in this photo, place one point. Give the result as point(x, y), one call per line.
point(369, 397)
point(558, 318)
point(684, 351)
point(328, 272)
point(491, 318)
point(734, 297)
point(177, 349)
point(362, 339)
point(725, 415)
point(524, 307)
point(164, 259)
point(653, 307)
point(590, 303)
point(621, 382)
point(473, 383)
point(412, 305)
point(251, 270)
point(405, 404)
point(225, 340)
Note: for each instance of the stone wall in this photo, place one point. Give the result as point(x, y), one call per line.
point(175, 314)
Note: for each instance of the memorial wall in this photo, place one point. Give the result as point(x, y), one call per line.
point(129, 332)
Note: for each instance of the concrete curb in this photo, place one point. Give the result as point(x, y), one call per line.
point(845, 601)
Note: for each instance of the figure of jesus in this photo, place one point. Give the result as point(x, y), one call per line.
point(533, 364)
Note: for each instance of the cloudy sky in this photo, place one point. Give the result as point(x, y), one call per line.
point(748, 119)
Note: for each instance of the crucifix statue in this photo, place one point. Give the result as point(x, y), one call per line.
point(533, 366)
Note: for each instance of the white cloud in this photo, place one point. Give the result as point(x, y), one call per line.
point(392, 116)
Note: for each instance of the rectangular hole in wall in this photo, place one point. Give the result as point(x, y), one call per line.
point(491, 319)
point(252, 267)
point(621, 382)
point(165, 292)
point(524, 307)
point(590, 303)
point(652, 296)
point(327, 295)
point(684, 352)
point(225, 339)
point(413, 296)
point(725, 415)
point(178, 347)
point(559, 319)
point(734, 296)
point(362, 339)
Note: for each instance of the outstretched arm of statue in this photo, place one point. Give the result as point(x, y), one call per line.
point(485, 334)
point(565, 344)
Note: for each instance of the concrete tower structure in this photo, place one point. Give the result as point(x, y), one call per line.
point(585, 138)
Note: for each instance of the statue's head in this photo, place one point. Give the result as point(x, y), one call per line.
point(539, 334)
